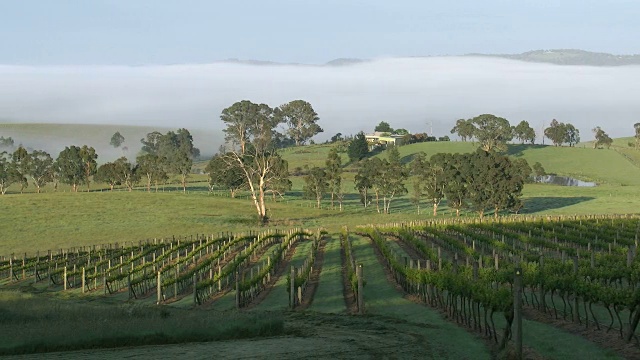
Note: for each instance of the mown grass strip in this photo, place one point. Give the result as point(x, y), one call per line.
point(329, 296)
point(278, 298)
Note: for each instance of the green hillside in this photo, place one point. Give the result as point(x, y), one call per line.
point(604, 166)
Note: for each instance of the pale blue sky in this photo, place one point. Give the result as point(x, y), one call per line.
point(131, 32)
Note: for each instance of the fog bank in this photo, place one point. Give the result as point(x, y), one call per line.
point(406, 92)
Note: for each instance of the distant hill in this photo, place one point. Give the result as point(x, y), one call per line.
point(554, 56)
point(570, 57)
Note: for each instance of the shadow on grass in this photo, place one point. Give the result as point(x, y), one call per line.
point(517, 150)
point(543, 203)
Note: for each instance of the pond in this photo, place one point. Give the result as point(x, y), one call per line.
point(563, 181)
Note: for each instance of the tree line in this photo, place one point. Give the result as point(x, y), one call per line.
point(161, 155)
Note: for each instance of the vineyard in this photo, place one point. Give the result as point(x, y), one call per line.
point(499, 280)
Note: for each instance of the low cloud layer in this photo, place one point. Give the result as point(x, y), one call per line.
point(407, 92)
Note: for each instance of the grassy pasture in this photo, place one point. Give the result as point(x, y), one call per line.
point(58, 220)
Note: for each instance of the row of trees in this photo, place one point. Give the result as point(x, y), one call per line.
point(74, 166)
point(162, 155)
point(493, 132)
point(560, 133)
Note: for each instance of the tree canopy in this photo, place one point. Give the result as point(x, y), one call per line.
point(334, 176)
point(301, 119)
point(560, 133)
point(358, 148)
point(492, 132)
point(224, 175)
point(601, 138)
point(464, 128)
point(116, 140)
point(524, 132)
point(71, 167)
point(383, 126)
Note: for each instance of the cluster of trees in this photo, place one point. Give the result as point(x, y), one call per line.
point(328, 180)
point(250, 159)
point(74, 166)
point(383, 177)
point(6, 142)
point(560, 133)
point(493, 132)
point(384, 127)
point(162, 155)
point(476, 181)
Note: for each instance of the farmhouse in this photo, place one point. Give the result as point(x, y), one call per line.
point(383, 138)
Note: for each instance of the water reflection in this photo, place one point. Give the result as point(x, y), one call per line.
point(563, 181)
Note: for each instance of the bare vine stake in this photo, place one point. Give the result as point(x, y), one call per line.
point(159, 288)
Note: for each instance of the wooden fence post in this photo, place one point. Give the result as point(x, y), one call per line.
point(64, 278)
point(292, 284)
point(195, 288)
point(159, 288)
point(237, 289)
point(360, 289)
point(517, 311)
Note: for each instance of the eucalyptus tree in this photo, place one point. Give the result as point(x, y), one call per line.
point(41, 169)
point(224, 175)
point(88, 157)
point(556, 132)
point(316, 184)
point(601, 138)
point(334, 175)
point(249, 133)
point(492, 132)
point(171, 153)
point(152, 167)
point(464, 129)
point(70, 165)
point(430, 180)
point(301, 119)
point(524, 132)
point(572, 135)
point(8, 175)
point(20, 164)
point(127, 172)
point(116, 140)
point(108, 173)
point(367, 171)
point(392, 174)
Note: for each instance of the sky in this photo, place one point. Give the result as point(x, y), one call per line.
point(128, 32)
